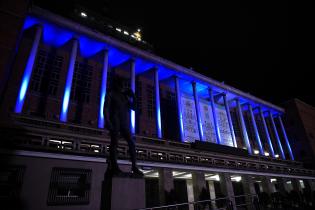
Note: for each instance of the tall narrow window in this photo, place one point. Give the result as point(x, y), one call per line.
point(150, 102)
point(46, 73)
point(81, 84)
point(139, 97)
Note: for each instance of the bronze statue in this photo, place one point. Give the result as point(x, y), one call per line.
point(118, 102)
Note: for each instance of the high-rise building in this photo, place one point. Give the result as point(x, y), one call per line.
point(300, 125)
point(196, 138)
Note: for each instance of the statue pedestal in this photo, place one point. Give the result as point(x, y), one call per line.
point(123, 192)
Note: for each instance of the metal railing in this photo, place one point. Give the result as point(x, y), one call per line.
point(224, 203)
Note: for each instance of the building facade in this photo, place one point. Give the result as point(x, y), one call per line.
point(196, 138)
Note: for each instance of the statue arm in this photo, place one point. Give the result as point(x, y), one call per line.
point(132, 99)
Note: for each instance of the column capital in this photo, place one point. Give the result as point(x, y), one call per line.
point(155, 68)
point(38, 25)
point(75, 38)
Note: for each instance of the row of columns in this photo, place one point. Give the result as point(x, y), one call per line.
point(67, 92)
point(199, 183)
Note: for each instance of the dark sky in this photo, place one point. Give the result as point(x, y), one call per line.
point(266, 49)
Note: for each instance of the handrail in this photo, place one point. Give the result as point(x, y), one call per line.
point(187, 203)
point(227, 198)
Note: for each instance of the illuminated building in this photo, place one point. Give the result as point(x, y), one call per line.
point(192, 132)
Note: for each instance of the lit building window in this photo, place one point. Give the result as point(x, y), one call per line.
point(83, 14)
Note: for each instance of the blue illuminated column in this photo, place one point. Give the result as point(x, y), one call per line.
point(179, 109)
point(133, 88)
point(286, 138)
point(157, 103)
point(215, 120)
point(197, 110)
point(266, 132)
point(67, 91)
point(28, 71)
point(252, 116)
point(103, 91)
point(277, 135)
point(227, 109)
point(244, 131)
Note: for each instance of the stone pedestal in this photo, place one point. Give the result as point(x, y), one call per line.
point(123, 192)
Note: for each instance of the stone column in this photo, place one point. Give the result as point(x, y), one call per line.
point(197, 108)
point(243, 127)
point(133, 88)
point(249, 188)
point(103, 91)
point(212, 193)
point(267, 185)
point(281, 185)
point(277, 135)
point(199, 185)
point(215, 119)
point(227, 187)
point(227, 109)
point(28, 71)
point(166, 185)
point(157, 103)
point(296, 185)
point(67, 91)
point(286, 138)
point(266, 132)
point(252, 116)
point(179, 109)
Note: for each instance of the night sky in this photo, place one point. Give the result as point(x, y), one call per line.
point(266, 49)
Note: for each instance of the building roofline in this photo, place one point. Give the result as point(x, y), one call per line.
point(146, 55)
point(296, 100)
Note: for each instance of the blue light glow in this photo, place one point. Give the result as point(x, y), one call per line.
point(103, 92)
point(227, 110)
point(27, 72)
point(261, 150)
point(89, 47)
point(244, 131)
point(290, 151)
point(133, 88)
point(116, 57)
point(179, 109)
point(286, 138)
point(66, 96)
point(266, 132)
point(159, 122)
point(58, 36)
point(214, 115)
point(277, 135)
point(197, 108)
point(157, 103)
point(133, 121)
point(29, 22)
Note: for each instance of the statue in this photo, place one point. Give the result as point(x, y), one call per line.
point(118, 102)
